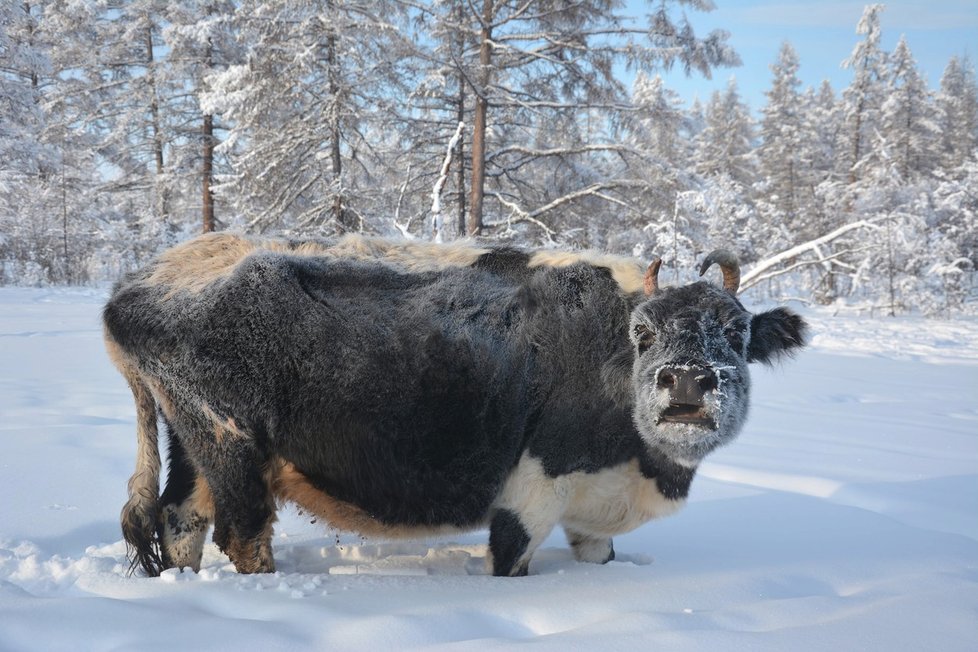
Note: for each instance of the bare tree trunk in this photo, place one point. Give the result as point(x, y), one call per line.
point(459, 156)
point(460, 118)
point(64, 213)
point(162, 208)
point(207, 168)
point(479, 123)
point(334, 126)
point(856, 150)
point(890, 271)
point(207, 173)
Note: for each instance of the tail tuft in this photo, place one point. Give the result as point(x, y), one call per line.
point(139, 530)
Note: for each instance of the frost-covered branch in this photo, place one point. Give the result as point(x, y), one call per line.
point(760, 271)
point(436, 220)
point(519, 214)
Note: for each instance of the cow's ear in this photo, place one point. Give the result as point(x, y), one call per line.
point(775, 333)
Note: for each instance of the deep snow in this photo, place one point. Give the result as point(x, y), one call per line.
point(845, 517)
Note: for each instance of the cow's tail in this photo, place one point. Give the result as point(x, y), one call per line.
point(141, 511)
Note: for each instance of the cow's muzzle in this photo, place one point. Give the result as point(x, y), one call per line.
point(687, 387)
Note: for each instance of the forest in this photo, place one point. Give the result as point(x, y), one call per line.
point(129, 125)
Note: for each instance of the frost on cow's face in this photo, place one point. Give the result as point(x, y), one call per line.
point(692, 346)
point(690, 371)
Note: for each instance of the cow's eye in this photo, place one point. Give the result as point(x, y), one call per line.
point(735, 337)
point(644, 337)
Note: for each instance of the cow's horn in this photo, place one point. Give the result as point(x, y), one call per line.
point(652, 277)
point(729, 265)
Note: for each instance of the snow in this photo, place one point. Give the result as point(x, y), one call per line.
point(844, 517)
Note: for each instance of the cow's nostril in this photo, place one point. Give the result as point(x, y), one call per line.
point(707, 381)
point(666, 379)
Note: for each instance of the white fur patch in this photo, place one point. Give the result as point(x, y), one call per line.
point(536, 498)
point(614, 500)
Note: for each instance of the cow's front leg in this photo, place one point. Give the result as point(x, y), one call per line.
point(527, 510)
point(592, 549)
point(186, 511)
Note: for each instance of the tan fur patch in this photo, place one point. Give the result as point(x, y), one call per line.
point(290, 484)
point(201, 499)
point(195, 264)
point(144, 482)
point(223, 427)
point(162, 398)
point(410, 255)
point(255, 555)
point(628, 273)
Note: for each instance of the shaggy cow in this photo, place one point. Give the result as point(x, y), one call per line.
point(403, 404)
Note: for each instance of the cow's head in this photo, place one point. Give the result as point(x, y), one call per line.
point(692, 347)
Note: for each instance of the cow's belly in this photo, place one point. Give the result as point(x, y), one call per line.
point(291, 485)
point(614, 500)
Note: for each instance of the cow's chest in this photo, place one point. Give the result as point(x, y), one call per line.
point(614, 500)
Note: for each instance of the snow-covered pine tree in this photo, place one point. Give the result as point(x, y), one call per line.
point(546, 63)
point(907, 119)
point(129, 101)
point(309, 107)
point(823, 127)
point(654, 130)
point(784, 158)
point(26, 162)
point(725, 144)
point(863, 98)
point(49, 169)
point(200, 43)
point(957, 103)
point(956, 210)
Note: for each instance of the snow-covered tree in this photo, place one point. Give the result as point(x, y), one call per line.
point(863, 99)
point(907, 118)
point(316, 75)
point(199, 37)
point(823, 127)
point(785, 161)
point(957, 103)
point(725, 144)
point(544, 63)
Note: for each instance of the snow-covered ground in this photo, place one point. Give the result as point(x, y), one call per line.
point(844, 518)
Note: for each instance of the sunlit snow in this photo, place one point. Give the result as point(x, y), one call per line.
point(845, 517)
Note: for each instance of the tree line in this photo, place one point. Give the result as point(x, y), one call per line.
point(128, 125)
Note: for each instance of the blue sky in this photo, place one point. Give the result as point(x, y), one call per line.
point(823, 34)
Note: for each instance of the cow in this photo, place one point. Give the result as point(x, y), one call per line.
point(185, 510)
point(409, 403)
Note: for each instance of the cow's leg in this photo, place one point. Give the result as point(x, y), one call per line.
point(244, 509)
point(187, 510)
point(527, 510)
point(593, 549)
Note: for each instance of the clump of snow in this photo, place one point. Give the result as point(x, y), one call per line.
point(842, 518)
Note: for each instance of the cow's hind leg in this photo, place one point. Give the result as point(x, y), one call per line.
point(244, 509)
point(186, 512)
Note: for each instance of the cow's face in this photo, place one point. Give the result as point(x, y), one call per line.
point(692, 346)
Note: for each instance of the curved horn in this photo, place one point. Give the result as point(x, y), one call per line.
point(729, 265)
point(652, 277)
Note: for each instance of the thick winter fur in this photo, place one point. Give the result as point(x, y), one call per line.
point(197, 263)
point(408, 403)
